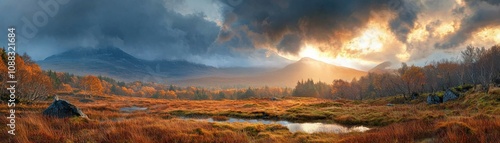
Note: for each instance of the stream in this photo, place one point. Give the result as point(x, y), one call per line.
point(313, 127)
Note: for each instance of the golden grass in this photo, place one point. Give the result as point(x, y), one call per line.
point(220, 118)
point(471, 118)
point(457, 130)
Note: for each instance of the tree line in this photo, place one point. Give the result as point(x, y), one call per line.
point(34, 84)
point(477, 66)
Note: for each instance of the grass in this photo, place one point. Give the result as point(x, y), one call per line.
point(471, 129)
point(473, 117)
point(220, 118)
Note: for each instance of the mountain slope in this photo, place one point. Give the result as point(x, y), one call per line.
point(382, 68)
point(115, 63)
point(303, 69)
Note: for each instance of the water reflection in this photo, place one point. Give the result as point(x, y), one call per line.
point(296, 127)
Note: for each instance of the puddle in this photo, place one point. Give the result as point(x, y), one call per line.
point(132, 109)
point(295, 127)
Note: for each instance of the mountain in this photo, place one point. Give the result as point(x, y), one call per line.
point(115, 63)
point(303, 69)
point(381, 68)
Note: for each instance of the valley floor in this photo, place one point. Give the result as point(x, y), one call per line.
point(471, 118)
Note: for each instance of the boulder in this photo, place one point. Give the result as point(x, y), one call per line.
point(63, 109)
point(414, 96)
point(274, 99)
point(449, 95)
point(496, 81)
point(433, 99)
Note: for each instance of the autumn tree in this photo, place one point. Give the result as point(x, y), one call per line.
point(148, 91)
point(91, 84)
point(32, 83)
point(340, 89)
point(170, 94)
point(413, 79)
point(3, 73)
point(66, 88)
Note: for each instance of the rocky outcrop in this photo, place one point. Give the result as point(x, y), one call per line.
point(433, 99)
point(63, 109)
point(449, 95)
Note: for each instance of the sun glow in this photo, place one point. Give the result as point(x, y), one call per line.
point(369, 41)
point(352, 53)
point(488, 35)
point(312, 52)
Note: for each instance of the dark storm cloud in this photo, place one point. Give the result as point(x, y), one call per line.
point(147, 28)
point(406, 15)
point(483, 16)
point(286, 25)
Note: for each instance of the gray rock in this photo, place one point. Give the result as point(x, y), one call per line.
point(63, 109)
point(449, 95)
point(433, 99)
point(389, 104)
point(414, 96)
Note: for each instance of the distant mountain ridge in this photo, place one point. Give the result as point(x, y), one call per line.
point(115, 63)
point(304, 69)
point(382, 68)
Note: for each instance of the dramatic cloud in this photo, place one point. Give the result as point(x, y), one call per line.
point(287, 25)
point(146, 28)
point(354, 33)
point(366, 32)
point(485, 14)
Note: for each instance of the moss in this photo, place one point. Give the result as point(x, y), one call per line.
point(440, 93)
point(463, 88)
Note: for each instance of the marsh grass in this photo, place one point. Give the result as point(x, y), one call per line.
point(473, 117)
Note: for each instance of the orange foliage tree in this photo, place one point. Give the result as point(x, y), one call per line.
point(32, 83)
point(3, 74)
point(66, 88)
point(91, 84)
point(171, 94)
point(148, 91)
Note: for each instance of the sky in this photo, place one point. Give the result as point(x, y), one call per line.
point(257, 33)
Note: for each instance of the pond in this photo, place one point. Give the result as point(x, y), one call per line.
point(132, 109)
point(295, 127)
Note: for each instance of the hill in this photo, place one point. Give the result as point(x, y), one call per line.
point(303, 69)
point(115, 63)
